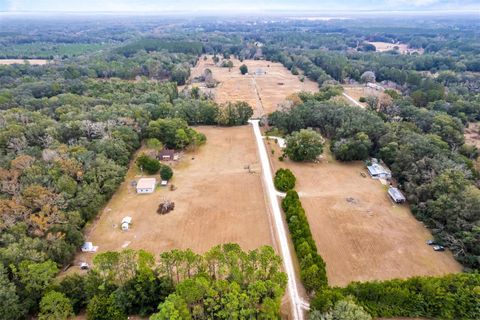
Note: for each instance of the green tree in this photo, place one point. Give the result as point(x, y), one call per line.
point(55, 306)
point(102, 307)
point(10, 307)
point(244, 69)
point(150, 165)
point(357, 148)
point(174, 308)
point(304, 145)
point(35, 279)
point(343, 310)
point(166, 173)
point(153, 143)
point(284, 180)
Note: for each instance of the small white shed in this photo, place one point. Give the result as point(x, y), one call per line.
point(146, 185)
point(126, 222)
point(89, 247)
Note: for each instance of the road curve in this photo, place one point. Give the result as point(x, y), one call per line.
point(298, 304)
point(353, 100)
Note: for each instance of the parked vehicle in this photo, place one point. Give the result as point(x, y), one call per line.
point(431, 242)
point(439, 248)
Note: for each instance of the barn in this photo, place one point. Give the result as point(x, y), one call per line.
point(146, 185)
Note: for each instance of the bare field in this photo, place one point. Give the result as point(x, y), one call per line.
point(266, 85)
point(402, 48)
point(472, 134)
point(358, 91)
point(38, 62)
point(217, 200)
point(359, 231)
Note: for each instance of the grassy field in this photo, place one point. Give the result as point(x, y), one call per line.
point(359, 231)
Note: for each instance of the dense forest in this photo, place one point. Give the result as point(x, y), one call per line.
point(68, 130)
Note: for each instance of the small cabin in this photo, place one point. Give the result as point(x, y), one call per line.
point(396, 195)
point(146, 185)
point(166, 155)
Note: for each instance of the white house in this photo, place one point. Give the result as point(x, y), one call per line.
point(146, 185)
point(377, 171)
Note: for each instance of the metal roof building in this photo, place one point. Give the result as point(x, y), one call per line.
point(396, 195)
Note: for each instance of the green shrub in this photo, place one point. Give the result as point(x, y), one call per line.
point(284, 180)
point(243, 69)
point(362, 99)
point(150, 165)
point(166, 172)
point(313, 272)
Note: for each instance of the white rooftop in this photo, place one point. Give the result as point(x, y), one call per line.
point(376, 169)
point(146, 183)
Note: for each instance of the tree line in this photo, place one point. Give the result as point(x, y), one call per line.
point(223, 283)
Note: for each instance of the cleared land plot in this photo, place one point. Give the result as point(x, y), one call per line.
point(402, 48)
point(358, 91)
point(266, 85)
point(217, 201)
point(359, 232)
point(472, 134)
point(38, 62)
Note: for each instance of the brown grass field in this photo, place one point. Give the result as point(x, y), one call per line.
point(402, 48)
point(472, 134)
point(368, 237)
point(358, 91)
point(217, 201)
point(263, 91)
point(38, 62)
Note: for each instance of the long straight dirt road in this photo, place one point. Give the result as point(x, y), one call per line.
point(298, 305)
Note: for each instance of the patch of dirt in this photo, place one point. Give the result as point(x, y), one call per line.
point(217, 201)
point(402, 48)
point(22, 61)
point(359, 231)
point(472, 134)
point(265, 86)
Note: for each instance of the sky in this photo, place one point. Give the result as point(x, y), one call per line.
point(237, 6)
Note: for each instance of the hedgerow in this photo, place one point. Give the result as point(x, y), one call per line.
point(313, 273)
